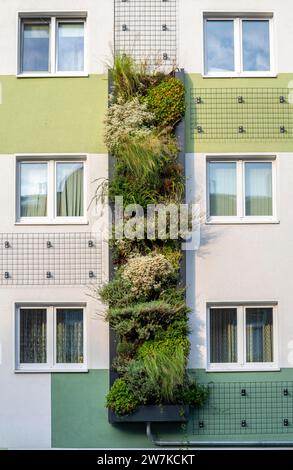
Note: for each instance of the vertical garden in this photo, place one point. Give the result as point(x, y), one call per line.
point(147, 310)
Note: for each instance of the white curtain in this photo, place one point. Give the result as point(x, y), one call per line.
point(259, 335)
point(33, 336)
point(222, 188)
point(258, 189)
point(69, 340)
point(223, 335)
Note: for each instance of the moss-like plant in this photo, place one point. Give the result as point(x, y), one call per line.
point(166, 102)
point(121, 399)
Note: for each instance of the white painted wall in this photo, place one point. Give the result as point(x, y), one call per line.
point(190, 29)
point(101, 32)
point(25, 399)
point(99, 29)
point(242, 262)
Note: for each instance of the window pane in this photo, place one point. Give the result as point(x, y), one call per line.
point(259, 335)
point(219, 46)
point(258, 189)
point(35, 48)
point(223, 189)
point(256, 45)
point(33, 189)
point(33, 336)
point(223, 335)
point(70, 190)
point(69, 339)
point(70, 47)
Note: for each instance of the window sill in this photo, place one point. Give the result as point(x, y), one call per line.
point(242, 75)
point(57, 222)
point(239, 221)
point(245, 369)
point(50, 371)
point(52, 75)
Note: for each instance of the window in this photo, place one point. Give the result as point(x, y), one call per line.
point(242, 337)
point(50, 338)
point(35, 47)
point(241, 191)
point(52, 45)
point(238, 46)
point(51, 191)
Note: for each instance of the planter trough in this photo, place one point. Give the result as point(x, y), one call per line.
point(154, 414)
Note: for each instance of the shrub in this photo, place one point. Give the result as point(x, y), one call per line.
point(166, 101)
point(147, 274)
point(143, 321)
point(117, 293)
point(172, 255)
point(124, 120)
point(139, 384)
point(121, 399)
point(173, 295)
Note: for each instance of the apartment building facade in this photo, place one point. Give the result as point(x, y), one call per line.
point(53, 252)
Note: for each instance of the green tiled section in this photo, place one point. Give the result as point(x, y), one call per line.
point(79, 416)
point(47, 115)
point(220, 114)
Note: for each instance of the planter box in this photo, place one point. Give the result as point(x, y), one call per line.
point(154, 414)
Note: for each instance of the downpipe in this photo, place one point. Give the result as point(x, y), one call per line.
point(168, 443)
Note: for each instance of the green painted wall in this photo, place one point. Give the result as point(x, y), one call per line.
point(196, 144)
point(80, 419)
point(52, 114)
point(79, 416)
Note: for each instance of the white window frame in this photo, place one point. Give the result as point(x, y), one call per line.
point(238, 47)
point(51, 365)
point(241, 364)
point(241, 217)
point(53, 20)
point(51, 218)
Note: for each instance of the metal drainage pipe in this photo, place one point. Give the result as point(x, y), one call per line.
point(167, 443)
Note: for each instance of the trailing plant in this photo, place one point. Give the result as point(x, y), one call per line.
point(192, 393)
